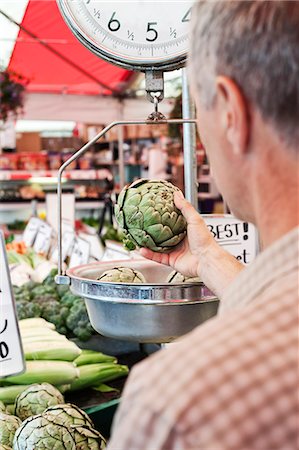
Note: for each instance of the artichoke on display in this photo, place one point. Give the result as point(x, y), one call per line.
point(68, 414)
point(40, 433)
point(146, 212)
point(8, 426)
point(35, 399)
point(177, 277)
point(122, 275)
point(2, 407)
point(87, 438)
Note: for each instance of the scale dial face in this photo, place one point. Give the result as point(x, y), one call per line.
point(135, 34)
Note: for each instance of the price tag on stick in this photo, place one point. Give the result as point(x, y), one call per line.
point(11, 352)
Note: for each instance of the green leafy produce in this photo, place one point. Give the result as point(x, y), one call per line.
point(5, 447)
point(78, 321)
point(8, 394)
point(177, 277)
point(2, 407)
point(68, 414)
point(87, 438)
point(146, 212)
point(122, 275)
point(26, 309)
point(94, 374)
point(47, 432)
point(53, 312)
point(92, 357)
point(40, 433)
point(53, 372)
point(68, 299)
point(8, 426)
point(35, 399)
point(43, 289)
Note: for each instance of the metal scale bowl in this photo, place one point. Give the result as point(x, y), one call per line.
point(155, 311)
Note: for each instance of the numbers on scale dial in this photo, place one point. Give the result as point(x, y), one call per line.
point(148, 32)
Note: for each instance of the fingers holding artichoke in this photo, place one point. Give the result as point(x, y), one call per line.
point(146, 212)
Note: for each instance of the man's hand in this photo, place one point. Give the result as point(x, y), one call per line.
point(199, 254)
point(186, 257)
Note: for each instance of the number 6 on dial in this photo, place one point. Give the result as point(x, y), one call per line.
point(134, 34)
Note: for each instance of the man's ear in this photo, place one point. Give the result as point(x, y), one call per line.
point(234, 114)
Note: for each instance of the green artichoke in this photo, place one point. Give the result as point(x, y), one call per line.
point(87, 438)
point(122, 275)
point(47, 432)
point(68, 414)
point(146, 212)
point(8, 426)
point(35, 399)
point(2, 407)
point(177, 277)
point(40, 433)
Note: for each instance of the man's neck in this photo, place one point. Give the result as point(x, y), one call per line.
point(277, 203)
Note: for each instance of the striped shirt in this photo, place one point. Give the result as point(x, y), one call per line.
point(230, 384)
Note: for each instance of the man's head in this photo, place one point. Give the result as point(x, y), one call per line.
point(244, 69)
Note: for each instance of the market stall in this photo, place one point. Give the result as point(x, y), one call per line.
point(87, 308)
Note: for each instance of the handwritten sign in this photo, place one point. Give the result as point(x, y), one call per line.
point(237, 237)
point(43, 238)
point(11, 353)
point(31, 231)
point(80, 253)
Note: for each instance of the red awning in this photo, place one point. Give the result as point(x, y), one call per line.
point(46, 71)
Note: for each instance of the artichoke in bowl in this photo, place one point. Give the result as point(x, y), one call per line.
point(122, 275)
point(35, 399)
point(178, 277)
point(146, 212)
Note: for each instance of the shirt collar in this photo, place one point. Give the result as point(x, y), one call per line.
point(272, 264)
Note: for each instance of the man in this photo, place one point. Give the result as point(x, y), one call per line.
point(232, 382)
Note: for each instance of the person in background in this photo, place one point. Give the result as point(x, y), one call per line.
point(232, 382)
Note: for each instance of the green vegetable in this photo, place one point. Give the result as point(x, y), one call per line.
point(8, 426)
point(92, 357)
point(78, 321)
point(95, 374)
point(26, 309)
point(68, 414)
point(8, 394)
point(53, 372)
point(35, 399)
point(40, 433)
point(45, 431)
point(52, 311)
point(5, 447)
point(10, 408)
point(87, 438)
point(122, 275)
point(2, 407)
point(146, 212)
point(42, 289)
point(60, 350)
point(35, 322)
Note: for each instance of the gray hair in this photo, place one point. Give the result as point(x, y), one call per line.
point(255, 43)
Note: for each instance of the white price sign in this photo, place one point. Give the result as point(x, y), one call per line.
point(237, 237)
point(31, 231)
point(43, 238)
point(80, 253)
point(11, 352)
